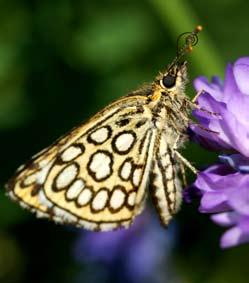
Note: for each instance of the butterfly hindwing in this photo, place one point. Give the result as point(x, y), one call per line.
point(166, 189)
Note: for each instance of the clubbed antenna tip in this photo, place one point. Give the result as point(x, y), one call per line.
point(190, 40)
point(198, 28)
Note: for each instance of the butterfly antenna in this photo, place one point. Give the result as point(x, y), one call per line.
point(191, 39)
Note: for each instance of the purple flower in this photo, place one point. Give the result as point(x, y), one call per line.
point(228, 125)
point(138, 254)
point(223, 116)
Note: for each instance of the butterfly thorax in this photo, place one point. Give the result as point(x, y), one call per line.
point(170, 111)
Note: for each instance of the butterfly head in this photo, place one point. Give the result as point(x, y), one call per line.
point(175, 78)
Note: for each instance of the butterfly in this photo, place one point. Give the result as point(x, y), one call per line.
point(97, 175)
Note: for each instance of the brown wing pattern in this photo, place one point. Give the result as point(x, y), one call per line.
point(26, 185)
point(166, 188)
point(94, 177)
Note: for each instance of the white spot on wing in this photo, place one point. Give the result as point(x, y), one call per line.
point(66, 176)
point(100, 165)
point(100, 200)
point(75, 189)
point(71, 153)
point(43, 199)
point(43, 163)
point(87, 225)
point(117, 199)
point(84, 197)
point(163, 205)
point(160, 194)
point(163, 148)
point(126, 170)
point(136, 176)
point(166, 202)
point(172, 196)
point(40, 214)
point(108, 226)
point(165, 160)
point(131, 198)
point(100, 135)
point(57, 220)
point(65, 216)
point(41, 175)
point(11, 195)
point(169, 173)
point(124, 142)
point(170, 186)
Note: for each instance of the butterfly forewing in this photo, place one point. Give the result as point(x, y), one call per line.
point(96, 178)
point(25, 186)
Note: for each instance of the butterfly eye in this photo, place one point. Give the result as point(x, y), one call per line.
point(168, 81)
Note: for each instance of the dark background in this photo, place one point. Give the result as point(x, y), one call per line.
point(60, 62)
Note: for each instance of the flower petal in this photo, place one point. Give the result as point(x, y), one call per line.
point(238, 197)
point(225, 219)
point(230, 85)
point(241, 73)
point(213, 202)
point(213, 126)
point(234, 133)
point(244, 224)
point(233, 237)
point(216, 177)
point(208, 104)
point(214, 88)
point(230, 238)
point(215, 80)
point(232, 123)
point(204, 141)
point(238, 106)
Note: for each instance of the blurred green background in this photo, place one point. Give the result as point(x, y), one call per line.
point(60, 62)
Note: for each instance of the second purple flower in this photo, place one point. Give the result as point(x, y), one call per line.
point(223, 117)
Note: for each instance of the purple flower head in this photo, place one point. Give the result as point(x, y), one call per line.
point(223, 113)
point(223, 116)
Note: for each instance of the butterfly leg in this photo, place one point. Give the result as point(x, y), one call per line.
point(185, 162)
point(205, 129)
point(183, 174)
point(194, 105)
point(197, 96)
point(182, 159)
